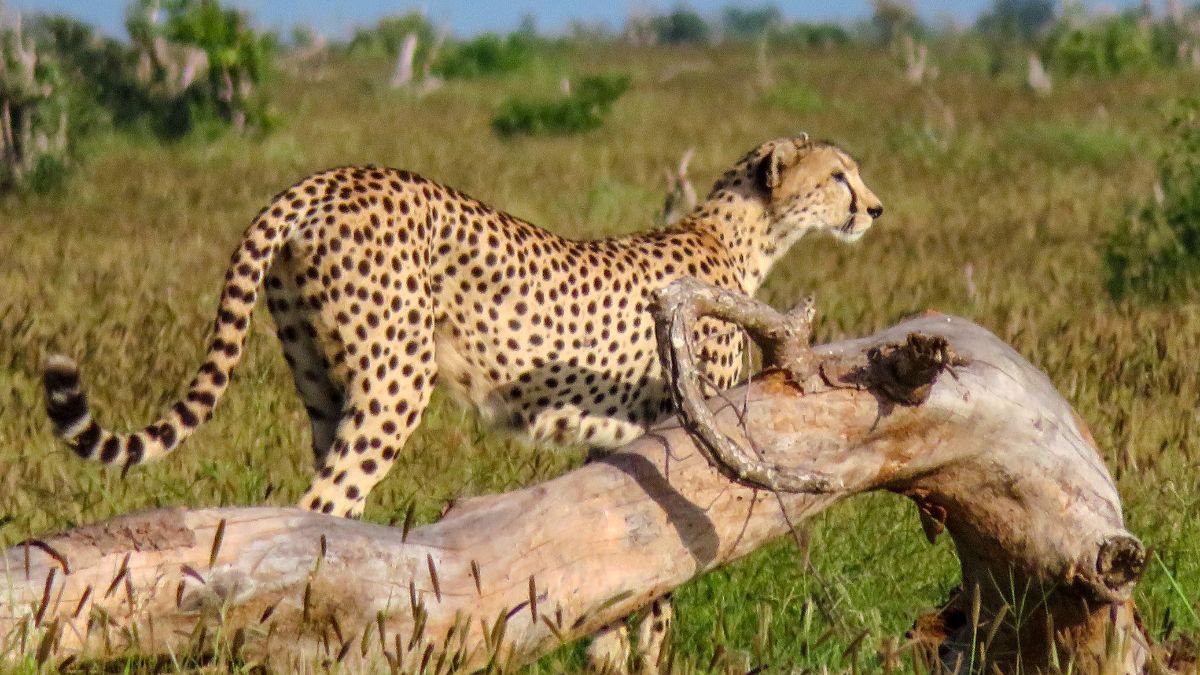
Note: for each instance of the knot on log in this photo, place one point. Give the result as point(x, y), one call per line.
point(1119, 564)
point(905, 373)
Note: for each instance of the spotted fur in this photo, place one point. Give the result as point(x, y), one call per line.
point(380, 281)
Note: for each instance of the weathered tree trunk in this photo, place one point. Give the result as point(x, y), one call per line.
point(404, 62)
point(935, 408)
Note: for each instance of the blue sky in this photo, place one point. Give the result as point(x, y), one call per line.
point(337, 18)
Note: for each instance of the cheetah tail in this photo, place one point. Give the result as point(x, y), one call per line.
point(66, 402)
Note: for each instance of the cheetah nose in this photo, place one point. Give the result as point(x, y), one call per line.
point(875, 211)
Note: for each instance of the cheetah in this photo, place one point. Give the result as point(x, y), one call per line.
point(381, 282)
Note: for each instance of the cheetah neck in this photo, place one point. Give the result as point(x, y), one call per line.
point(739, 220)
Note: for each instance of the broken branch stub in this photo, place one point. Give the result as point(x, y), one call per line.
point(992, 454)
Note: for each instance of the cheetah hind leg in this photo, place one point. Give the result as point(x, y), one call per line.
point(322, 398)
point(386, 396)
point(371, 433)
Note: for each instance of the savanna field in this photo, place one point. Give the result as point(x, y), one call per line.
point(997, 204)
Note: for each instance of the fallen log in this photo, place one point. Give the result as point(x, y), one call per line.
point(935, 408)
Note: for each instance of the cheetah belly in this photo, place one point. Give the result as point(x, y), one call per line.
point(462, 378)
point(555, 402)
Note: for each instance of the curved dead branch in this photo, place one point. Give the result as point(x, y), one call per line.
point(784, 341)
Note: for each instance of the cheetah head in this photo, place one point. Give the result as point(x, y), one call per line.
point(813, 186)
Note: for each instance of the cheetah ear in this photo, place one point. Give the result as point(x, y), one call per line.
point(771, 168)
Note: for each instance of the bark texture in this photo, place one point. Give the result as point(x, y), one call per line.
point(935, 408)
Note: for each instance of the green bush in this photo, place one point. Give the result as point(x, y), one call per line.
point(681, 26)
point(1016, 21)
point(802, 35)
point(486, 55)
point(1111, 45)
point(583, 109)
point(1155, 255)
point(239, 58)
point(202, 65)
point(1011, 27)
point(893, 19)
point(189, 64)
point(36, 131)
point(767, 21)
point(746, 24)
point(102, 72)
point(387, 37)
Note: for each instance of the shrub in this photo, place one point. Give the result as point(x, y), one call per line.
point(1112, 45)
point(1011, 27)
point(239, 59)
point(1155, 255)
point(583, 109)
point(202, 64)
point(1099, 48)
point(386, 38)
point(1019, 21)
point(750, 24)
point(188, 64)
point(802, 35)
point(894, 18)
point(36, 135)
point(488, 54)
point(101, 71)
point(681, 26)
point(588, 32)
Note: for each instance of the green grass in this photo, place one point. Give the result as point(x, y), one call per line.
point(122, 268)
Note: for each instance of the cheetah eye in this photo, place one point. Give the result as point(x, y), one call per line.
point(839, 176)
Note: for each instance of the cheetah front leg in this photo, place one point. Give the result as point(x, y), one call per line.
point(610, 650)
